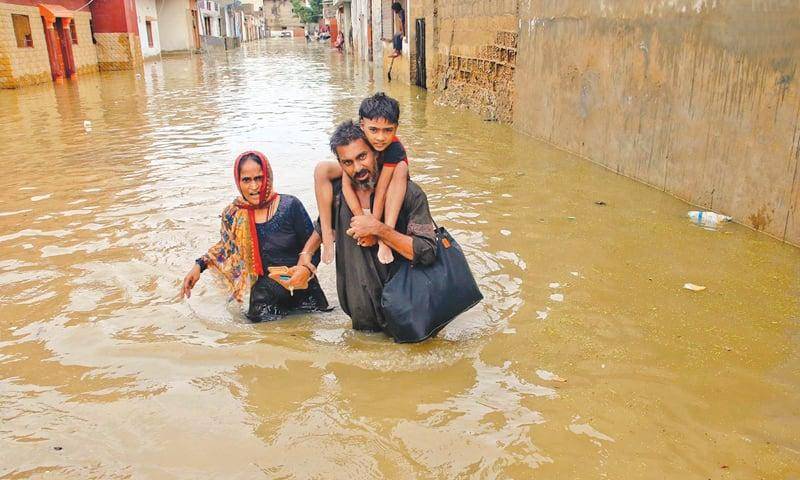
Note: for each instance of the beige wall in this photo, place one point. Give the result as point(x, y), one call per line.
point(697, 98)
point(278, 14)
point(27, 66)
point(85, 51)
point(22, 66)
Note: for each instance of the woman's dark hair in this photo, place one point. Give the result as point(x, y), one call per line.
point(380, 106)
point(397, 7)
point(249, 157)
point(345, 134)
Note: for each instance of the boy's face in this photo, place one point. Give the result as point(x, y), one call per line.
point(379, 132)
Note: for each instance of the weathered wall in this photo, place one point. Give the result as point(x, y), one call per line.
point(698, 98)
point(470, 53)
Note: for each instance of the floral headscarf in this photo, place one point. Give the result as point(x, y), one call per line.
point(237, 254)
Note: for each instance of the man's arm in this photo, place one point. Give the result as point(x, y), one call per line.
point(364, 225)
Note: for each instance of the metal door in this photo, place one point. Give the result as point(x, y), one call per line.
point(421, 74)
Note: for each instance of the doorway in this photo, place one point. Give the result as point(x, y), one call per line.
point(420, 60)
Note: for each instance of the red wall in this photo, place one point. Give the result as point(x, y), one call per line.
point(114, 16)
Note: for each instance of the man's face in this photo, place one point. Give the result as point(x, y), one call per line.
point(379, 132)
point(358, 163)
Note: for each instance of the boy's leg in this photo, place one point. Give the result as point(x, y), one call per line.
point(324, 174)
point(395, 194)
point(351, 198)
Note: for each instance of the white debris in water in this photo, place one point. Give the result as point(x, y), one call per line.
point(557, 297)
point(41, 197)
point(91, 190)
point(554, 285)
point(87, 125)
point(329, 378)
point(693, 287)
point(589, 431)
point(549, 376)
point(541, 314)
point(27, 246)
point(505, 232)
point(575, 274)
point(506, 195)
point(25, 189)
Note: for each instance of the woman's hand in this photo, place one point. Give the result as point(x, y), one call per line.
point(189, 281)
point(300, 276)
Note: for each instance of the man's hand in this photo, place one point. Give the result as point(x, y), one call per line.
point(363, 226)
point(189, 281)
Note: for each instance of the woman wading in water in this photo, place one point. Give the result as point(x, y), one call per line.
point(262, 232)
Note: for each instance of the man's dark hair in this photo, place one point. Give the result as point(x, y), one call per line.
point(345, 134)
point(380, 106)
point(397, 7)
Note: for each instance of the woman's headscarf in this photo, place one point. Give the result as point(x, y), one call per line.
point(266, 195)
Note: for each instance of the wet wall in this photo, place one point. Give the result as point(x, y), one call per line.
point(697, 98)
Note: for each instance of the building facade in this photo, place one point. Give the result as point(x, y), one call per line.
point(147, 20)
point(280, 17)
point(65, 39)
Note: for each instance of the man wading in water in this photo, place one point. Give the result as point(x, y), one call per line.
point(360, 276)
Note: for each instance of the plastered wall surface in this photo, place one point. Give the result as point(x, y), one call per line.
point(698, 98)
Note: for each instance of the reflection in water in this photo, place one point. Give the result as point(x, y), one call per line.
point(99, 359)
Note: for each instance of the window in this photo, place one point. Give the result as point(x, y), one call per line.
point(22, 30)
point(149, 27)
point(73, 31)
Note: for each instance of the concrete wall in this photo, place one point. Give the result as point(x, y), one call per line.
point(146, 9)
point(175, 26)
point(361, 16)
point(694, 97)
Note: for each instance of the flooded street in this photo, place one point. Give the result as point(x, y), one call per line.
point(105, 374)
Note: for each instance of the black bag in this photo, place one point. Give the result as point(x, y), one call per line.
point(418, 301)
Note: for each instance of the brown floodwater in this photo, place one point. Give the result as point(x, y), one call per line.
point(105, 374)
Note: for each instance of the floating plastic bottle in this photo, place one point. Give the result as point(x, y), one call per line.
point(708, 219)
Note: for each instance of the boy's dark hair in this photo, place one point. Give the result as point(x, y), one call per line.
point(380, 106)
point(345, 134)
point(396, 6)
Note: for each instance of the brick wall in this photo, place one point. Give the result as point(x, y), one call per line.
point(471, 54)
point(118, 51)
point(85, 51)
point(22, 66)
point(28, 66)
